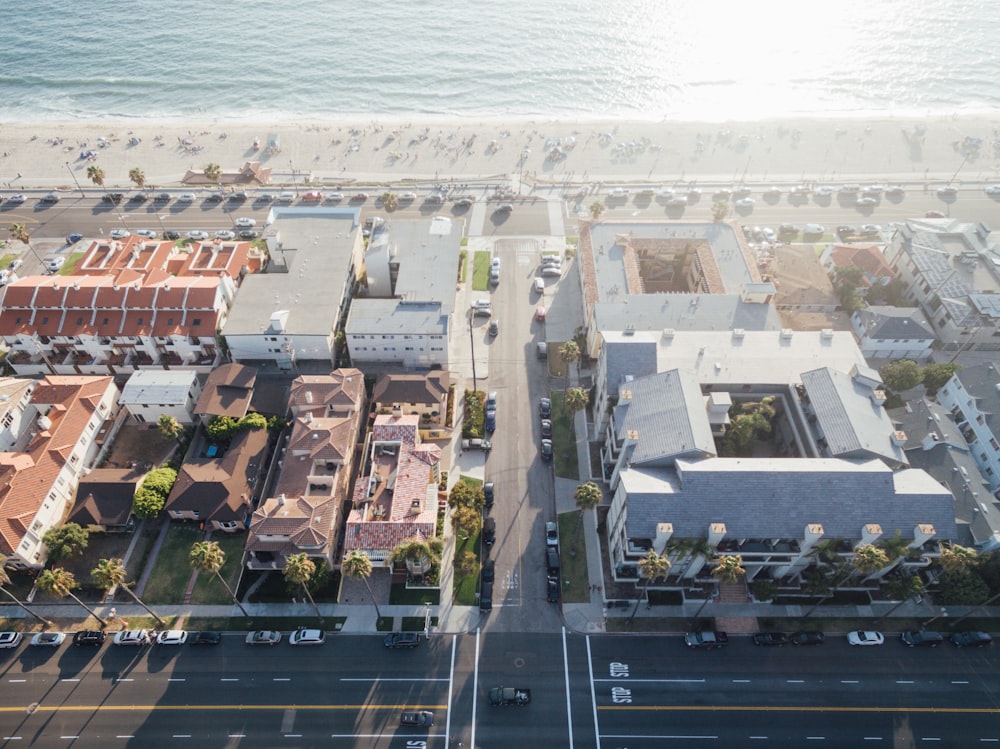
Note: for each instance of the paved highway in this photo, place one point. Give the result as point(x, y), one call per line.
point(587, 693)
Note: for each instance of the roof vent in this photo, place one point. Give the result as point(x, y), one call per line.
point(668, 333)
point(786, 334)
point(826, 334)
point(738, 334)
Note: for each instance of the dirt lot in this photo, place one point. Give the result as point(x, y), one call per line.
point(141, 443)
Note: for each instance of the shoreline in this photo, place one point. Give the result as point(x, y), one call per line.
point(392, 149)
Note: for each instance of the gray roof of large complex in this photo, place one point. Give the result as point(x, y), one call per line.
point(895, 324)
point(629, 356)
point(778, 498)
point(920, 418)
point(684, 311)
point(852, 424)
point(732, 264)
point(750, 357)
point(668, 412)
point(982, 382)
point(317, 245)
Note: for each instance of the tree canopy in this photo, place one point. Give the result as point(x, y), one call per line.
point(67, 541)
point(901, 375)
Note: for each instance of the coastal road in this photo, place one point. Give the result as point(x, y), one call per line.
point(587, 693)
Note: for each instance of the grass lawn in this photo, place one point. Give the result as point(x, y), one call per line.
point(6, 259)
point(481, 271)
point(567, 463)
point(172, 570)
point(465, 587)
point(400, 595)
point(573, 566)
point(71, 262)
point(208, 590)
point(416, 623)
point(276, 623)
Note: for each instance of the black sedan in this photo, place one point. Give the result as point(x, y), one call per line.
point(768, 639)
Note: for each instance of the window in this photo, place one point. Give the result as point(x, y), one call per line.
point(982, 456)
point(138, 322)
point(8, 419)
point(196, 321)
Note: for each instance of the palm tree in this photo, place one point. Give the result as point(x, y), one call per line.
point(169, 427)
point(419, 555)
point(955, 557)
point(651, 566)
point(569, 352)
point(720, 209)
point(358, 566)
point(576, 399)
point(596, 209)
point(96, 175)
point(60, 583)
point(587, 497)
point(729, 568)
point(208, 557)
point(869, 559)
point(213, 172)
point(299, 570)
point(137, 176)
point(111, 573)
point(5, 581)
point(389, 201)
point(20, 233)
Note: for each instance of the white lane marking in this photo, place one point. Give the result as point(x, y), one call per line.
point(69, 737)
point(849, 681)
point(237, 735)
point(176, 679)
point(377, 679)
point(903, 681)
point(635, 737)
point(228, 679)
point(874, 738)
point(182, 735)
point(758, 738)
point(815, 738)
point(11, 738)
point(930, 738)
point(69, 680)
point(126, 736)
point(293, 735)
point(569, 707)
point(960, 682)
point(991, 741)
point(593, 693)
point(475, 690)
point(124, 679)
point(280, 679)
point(795, 681)
point(21, 681)
point(652, 681)
point(741, 681)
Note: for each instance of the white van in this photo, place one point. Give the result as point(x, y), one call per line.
point(286, 197)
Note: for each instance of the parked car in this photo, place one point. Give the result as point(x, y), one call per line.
point(146, 233)
point(971, 639)
point(47, 640)
point(206, 638)
point(865, 637)
point(246, 222)
point(186, 197)
point(53, 263)
point(171, 637)
point(307, 637)
point(545, 408)
point(477, 444)
point(463, 202)
point(18, 198)
point(333, 197)
point(10, 640)
point(546, 451)
point(488, 493)
point(922, 638)
point(263, 637)
point(551, 534)
point(248, 234)
point(814, 229)
point(489, 571)
point(135, 637)
point(552, 590)
point(73, 238)
point(120, 234)
point(542, 350)
point(491, 401)
point(163, 197)
point(408, 196)
point(770, 639)
point(947, 192)
point(138, 198)
point(92, 637)
point(552, 271)
point(807, 638)
point(504, 208)
point(551, 561)
point(489, 531)
point(49, 198)
point(171, 234)
point(225, 234)
point(494, 329)
point(359, 197)
point(540, 313)
point(539, 285)
point(396, 640)
point(618, 192)
point(238, 197)
point(547, 428)
point(486, 597)
point(490, 421)
point(198, 235)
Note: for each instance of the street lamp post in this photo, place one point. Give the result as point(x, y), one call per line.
point(73, 175)
point(295, 185)
point(472, 340)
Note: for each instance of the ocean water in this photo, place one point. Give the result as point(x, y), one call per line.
point(637, 59)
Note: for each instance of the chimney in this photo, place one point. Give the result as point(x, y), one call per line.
point(898, 438)
point(716, 532)
point(869, 534)
point(922, 534)
point(281, 500)
point(813, 535)
point(663, 533)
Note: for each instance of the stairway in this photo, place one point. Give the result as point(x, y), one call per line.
point(735, 593)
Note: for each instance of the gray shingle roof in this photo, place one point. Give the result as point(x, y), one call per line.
point(850, 421)
point(777, 498)
point(895, 323)
point(667, 411)
point(982, 383)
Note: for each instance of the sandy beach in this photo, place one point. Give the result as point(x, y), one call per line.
point(957, 149)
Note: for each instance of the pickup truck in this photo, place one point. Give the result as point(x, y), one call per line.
point(510, 696)
point(707, 640)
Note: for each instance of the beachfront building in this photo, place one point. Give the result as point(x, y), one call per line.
point(292, 312)
point(951, 270)
point(888, 332)
point(972, 397)
point(646, 276)
point(936, 445)
point(402, 317)
point(114, 324)
point(395, 496)
point(152, 393)
point(304, 513)
point(62, 424)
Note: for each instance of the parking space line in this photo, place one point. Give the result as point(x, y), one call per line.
point(569, 706)
point(593, 693)
point(475, 690)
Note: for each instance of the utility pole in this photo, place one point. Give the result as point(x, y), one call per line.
point(73, 175)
